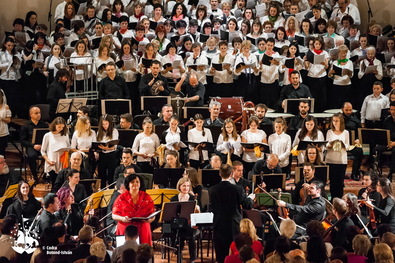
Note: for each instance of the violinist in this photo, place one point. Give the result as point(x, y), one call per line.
point(342, 222)
point(299, 194)
point(238, 176)
point(70, 211)
point(385, 209)
point(368, 193)
point(314, 209)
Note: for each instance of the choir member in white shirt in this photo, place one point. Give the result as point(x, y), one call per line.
point(101, 61)
point(274, 16)
point(268, 88)
point(316, 76)
point(372, 106)
point(336, 156)
point(200, 61)
point(341, 88)
point(222, 79)
point(49, 64)
point(198, 158)
point(308, 132)
point(82, 59)
point(170, 72)
point(252, 135)
point(280, 144)
point(229, 142)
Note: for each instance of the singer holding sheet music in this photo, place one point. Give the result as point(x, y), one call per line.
point(229, 142)
point(338, 142)
point(198, 158)
point(134, 203)
point(57, 138)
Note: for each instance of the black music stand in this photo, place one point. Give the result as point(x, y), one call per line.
point(210, 177)
point(321, 173)
point(154, 103)
point(148, 179)
point(38, 135)
point(127, 136)
point(190, 112)
point(116, 106)
point(272, 181)
point(168, 177)
point(292, 105)
point(267, 128)
point(374, 136)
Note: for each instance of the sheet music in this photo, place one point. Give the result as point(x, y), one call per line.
point(202, 218)
point(370, 69)
point(318, 59)
point(260, 10)
point(129, 64)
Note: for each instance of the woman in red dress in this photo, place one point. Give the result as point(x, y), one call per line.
point(134, 203)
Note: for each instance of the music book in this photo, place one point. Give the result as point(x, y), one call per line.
point(146, 62)
point(265, 146)
point(244, 64)
point(315, 59)
point(102, 67)
point(289, 63)
point(219, 67)
point(209, 146)
point(134, 42)
point(354, 58)
point(299, 40)
point(203, 38)
point(370, 69)
point(372, 40)
point(96, 42)
point(224, 35)
point(141, 218)
point(153, 25)
point(202, 218)
point(266, 60)
point(179, 144)
point(95, 145)
point(132, 25)
point(120, 63)
point(303, 144)
point(253, 40)
point(338, 70)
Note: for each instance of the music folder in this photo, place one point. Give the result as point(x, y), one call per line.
point(127, 136)
point(210, 177)
point(303, 144)
point(142, 218)
point(263, 146)
point(95, 145)
point(208, 146)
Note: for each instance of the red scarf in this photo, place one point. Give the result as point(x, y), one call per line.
point(370, 61)
point(123, 31)
point(139, 39)
point(138, 16)
point(317, 51)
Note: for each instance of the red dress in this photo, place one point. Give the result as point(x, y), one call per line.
point(124, 206)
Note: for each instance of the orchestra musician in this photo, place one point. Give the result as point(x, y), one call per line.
point(369, 192)
point(299, 194)
point(77, 189)
point(238, 179)
point(268, 166)
point(339, 210)
point(134, 203)
point(48, 216)
point(385, 209)
point(184, 187)
point(214, 108)
point(25, 204)
point(312, 210)
point(127, 161)
point(69, 211)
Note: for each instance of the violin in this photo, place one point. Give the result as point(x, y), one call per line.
point(372, 216)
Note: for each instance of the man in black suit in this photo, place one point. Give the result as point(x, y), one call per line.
point(48, 217)
point(237, 176)
point(225, 202)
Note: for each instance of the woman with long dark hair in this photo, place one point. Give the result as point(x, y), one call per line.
point(198, 158)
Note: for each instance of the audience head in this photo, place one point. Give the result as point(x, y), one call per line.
point(288, 228)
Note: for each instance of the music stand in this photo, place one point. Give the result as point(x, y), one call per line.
point(267, 128)
point(292, 105)
point(190, 112)
point(160, 196)
point(154, 103)
point(64, 106)
point(126, 136)
point(168, 177)
point(177, 209)
point(210, 177)
point(265, 200)
point(89, 184)
point(116, 106)
point(105, 201)
point(148, 179)
point(374, 136)
point(77, 103)
point(38, 135)
point(272, 181)
point(94, 201)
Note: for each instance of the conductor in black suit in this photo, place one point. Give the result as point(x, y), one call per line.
point(225, 201)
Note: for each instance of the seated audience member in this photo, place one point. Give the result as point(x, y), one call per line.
point(7, 239)
point(144, 253)
point(361, 246)
point(131, 235)
point(85, 236)
point(214, 108)
point(26, 135)
point(193, 90)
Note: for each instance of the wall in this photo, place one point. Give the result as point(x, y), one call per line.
point(383, 11)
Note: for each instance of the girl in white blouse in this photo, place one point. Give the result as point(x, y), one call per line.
point(107, 157)
point(280, 144)
point(49, 64)
point(145, 145)
point(83, 60)
point(341, 88)
point(336, 156)
point(197, 135)
point(100, 61)
point(82, 139)
point(229, 142)
point(222, 79)
point(308, 132)
point(54, 140)
point(170, 72)
point(252, 135)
